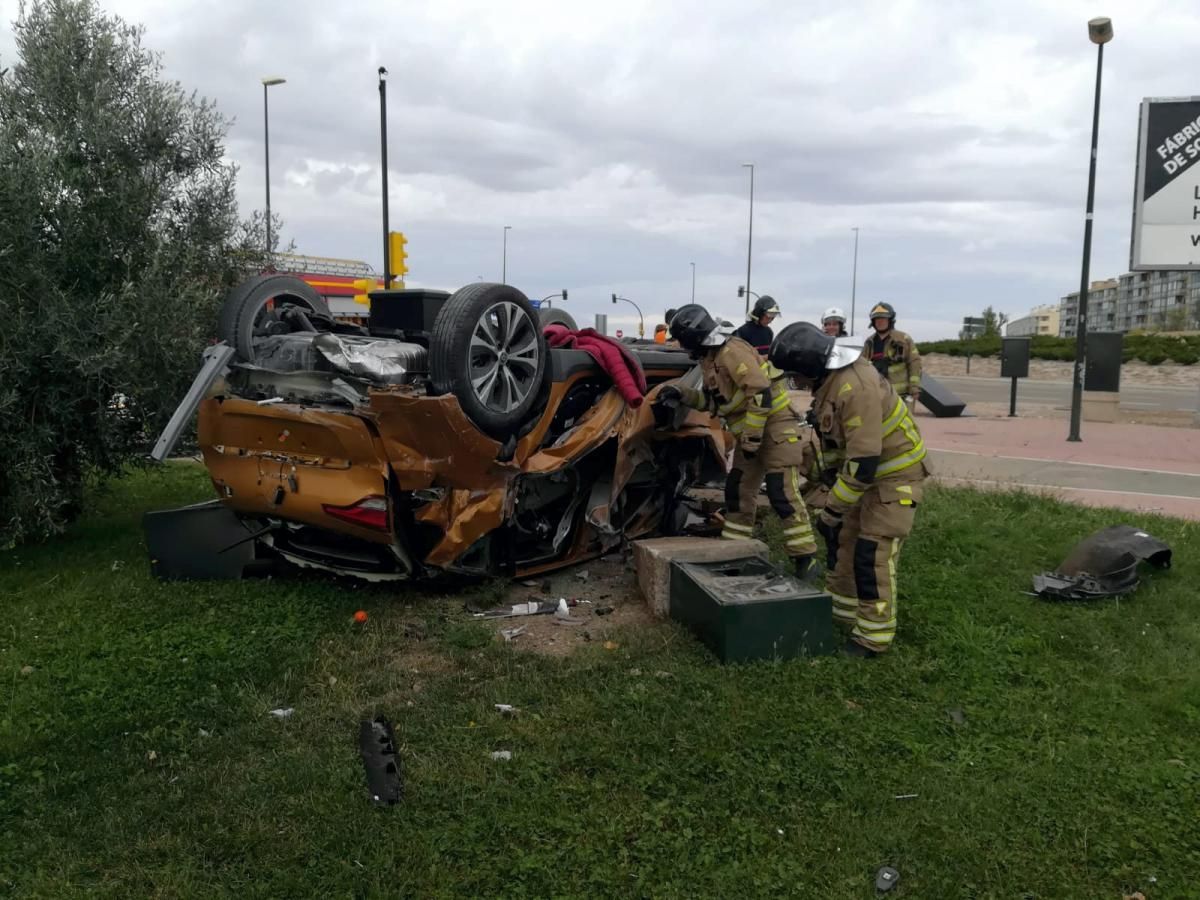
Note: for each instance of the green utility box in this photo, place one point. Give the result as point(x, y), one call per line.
point(746, 609)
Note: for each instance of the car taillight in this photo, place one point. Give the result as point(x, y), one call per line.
point(370, 512)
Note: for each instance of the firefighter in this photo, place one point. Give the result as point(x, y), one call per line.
point(894, 354)
point(834, 322)
point(752, 398)
point(757, 330)
point(870, 508)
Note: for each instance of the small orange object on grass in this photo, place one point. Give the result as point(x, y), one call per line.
point(360, 617)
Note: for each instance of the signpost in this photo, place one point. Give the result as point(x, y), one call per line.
point(1166, 197)
point(972, 327)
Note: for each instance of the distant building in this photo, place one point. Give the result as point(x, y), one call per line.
point(1162, 301)
point(1041, 320)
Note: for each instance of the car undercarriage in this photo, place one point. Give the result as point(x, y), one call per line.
point(445, 438)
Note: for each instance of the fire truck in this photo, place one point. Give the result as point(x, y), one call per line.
point(343, 283)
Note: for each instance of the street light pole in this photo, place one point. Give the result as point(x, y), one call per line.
point(693, 282)
point(383, 147)
point(268, 83)
point(504, 261)
point(750, 235)
point(641, 320)
point(1100, 32)
point(853, 282)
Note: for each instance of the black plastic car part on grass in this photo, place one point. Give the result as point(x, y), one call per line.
point(1104, 564)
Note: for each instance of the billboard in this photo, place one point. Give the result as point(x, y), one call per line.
point(1166, 199)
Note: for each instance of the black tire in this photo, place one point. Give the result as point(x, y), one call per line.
point(557, 317)
point(245, 304)
point(489, 329)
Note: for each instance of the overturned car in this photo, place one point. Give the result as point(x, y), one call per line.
point(443, 438)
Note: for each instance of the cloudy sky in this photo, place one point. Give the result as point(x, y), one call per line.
point(611, 137)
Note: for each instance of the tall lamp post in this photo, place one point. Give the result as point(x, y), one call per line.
point(853, 282)
point(750, 235)
point(693, 282)
point(504, 260)
point(1100, 31)
point(383, 165)
point(268, 83)
point(641, 321)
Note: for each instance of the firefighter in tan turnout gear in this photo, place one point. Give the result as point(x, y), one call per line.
point(893, 354)
point(752, 399)
point(870, 507)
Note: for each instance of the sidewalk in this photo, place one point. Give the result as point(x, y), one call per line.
point(1137, 467)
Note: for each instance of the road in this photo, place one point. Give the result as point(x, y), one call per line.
point(1058, 393)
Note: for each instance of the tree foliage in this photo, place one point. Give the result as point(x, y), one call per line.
point(118, 234)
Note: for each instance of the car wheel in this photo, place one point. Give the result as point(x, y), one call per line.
point(557, 317)
point(488, 350)
point(253, 309)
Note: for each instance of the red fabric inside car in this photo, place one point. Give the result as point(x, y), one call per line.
point(613, 356)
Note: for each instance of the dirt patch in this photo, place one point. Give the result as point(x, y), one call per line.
point(610, 584)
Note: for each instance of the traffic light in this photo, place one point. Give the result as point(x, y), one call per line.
point(364, 286)
point(397, 255)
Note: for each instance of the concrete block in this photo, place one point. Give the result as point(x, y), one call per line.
point(1100, 406)
point(652, 558)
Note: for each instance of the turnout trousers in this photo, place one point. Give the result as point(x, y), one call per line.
point(778, 463)
point(862, 574)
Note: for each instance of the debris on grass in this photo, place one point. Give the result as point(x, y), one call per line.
point(506, 709)
point(886, 878)
point(511, 634)
point(957, 716)
point(611, 645)
point(583, 576)
point(603, 610)
point(283, 712)
point(377, 746)
point(502, 755)
point(532, 608)
point(26, 670)
point(563, 611)
point(906, 797)
point(1104, 564)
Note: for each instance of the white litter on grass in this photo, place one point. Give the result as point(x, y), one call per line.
point(563, 611)
point(282, 713)
point(506, 710)
point(511, 634)
point(502, 755)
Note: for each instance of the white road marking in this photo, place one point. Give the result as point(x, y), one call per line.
point(1069, 462)
point(1059, 487)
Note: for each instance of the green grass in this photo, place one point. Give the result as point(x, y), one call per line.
point(646, 771)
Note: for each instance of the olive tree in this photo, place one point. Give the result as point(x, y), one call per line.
point(119, 233)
